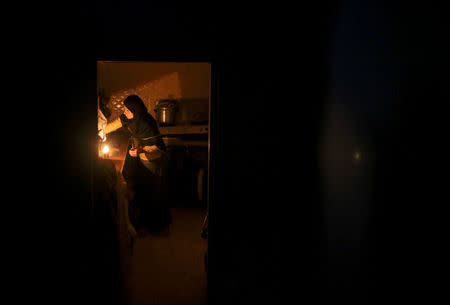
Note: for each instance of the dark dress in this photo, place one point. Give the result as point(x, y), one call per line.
point(148, 208)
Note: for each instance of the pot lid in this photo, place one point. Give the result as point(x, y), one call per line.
point(166, 103)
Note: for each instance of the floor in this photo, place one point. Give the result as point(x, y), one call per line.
point(168, 268)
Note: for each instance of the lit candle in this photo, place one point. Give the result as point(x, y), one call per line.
point(105, 151)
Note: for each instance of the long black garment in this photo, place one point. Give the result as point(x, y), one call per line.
point(145, 183)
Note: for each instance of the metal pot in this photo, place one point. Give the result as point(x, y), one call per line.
point(165, 111)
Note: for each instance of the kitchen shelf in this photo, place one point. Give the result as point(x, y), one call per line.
point(183, 129)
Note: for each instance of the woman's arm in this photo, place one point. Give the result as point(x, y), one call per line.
point(114, 125)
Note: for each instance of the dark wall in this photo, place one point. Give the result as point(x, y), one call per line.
point(271, 81)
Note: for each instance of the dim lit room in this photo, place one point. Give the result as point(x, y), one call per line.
point(214, 154)
point(166, 262)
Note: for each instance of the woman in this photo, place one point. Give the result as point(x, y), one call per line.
point(143, 166)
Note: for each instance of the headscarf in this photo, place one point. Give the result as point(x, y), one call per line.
point(142, 125)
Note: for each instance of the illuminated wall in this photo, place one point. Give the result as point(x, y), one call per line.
point(188, 82)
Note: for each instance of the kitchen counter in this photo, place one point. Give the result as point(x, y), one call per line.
point(184, 135)
point(174, 141)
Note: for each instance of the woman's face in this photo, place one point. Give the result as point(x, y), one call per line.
point(127, 113)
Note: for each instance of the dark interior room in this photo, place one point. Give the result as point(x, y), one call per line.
point(313, 155)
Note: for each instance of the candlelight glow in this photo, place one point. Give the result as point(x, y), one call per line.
point(105, 149)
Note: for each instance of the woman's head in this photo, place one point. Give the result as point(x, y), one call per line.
point(134, 107)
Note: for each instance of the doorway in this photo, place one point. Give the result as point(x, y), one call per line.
point(168, 266)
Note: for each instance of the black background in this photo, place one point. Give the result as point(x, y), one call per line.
point(270, 83)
